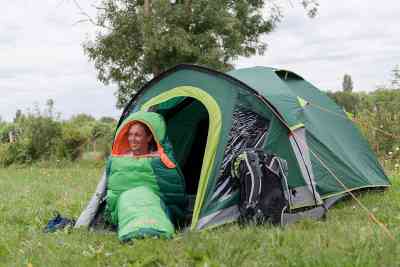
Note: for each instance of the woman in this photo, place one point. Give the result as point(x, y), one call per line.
point(145, 189)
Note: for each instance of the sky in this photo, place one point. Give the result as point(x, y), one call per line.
point(41, 55)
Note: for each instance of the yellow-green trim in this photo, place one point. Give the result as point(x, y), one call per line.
point(349, 115)
point(302, 102)
point(214, 131)
point(297, 126)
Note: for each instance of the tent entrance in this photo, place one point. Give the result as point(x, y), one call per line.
point(187, 129)
point(176, 100)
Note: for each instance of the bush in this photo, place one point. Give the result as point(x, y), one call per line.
point(4, 155)
point(37, 138)
point(5, 129)
point(41, 135)
point(15, 153)
point(71, 143)
point(102, 137)
point(349, 101)
point(377, 114)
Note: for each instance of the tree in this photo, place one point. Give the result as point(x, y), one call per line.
point(50, 107)
point(82, 119)
point(18, 115)
point(347, 100)
point(347, 84)
point(106, 119)
point(140, 39)
point(396, 77)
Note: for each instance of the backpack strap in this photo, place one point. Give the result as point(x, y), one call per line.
point(259, 176)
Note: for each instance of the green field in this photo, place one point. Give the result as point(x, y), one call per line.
point(30, 195)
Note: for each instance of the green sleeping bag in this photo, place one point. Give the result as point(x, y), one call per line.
point(142, 213)
point(146, 194)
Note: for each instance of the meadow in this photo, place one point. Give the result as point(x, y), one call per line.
point(30, 195)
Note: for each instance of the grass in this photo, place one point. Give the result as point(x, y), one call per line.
point(30, 195)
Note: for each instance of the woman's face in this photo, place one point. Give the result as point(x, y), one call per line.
point(138, 139)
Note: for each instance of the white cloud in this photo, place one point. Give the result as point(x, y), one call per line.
point(41, 54)
point(41, 57)
point(354, 36)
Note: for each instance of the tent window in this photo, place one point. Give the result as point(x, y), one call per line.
point(249, 130)
point(287, 75)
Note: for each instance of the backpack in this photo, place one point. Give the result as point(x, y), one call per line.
point(261, 178)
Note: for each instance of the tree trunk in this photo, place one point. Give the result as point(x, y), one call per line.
point(147, 30)
point(188, 12)
point(147, 5)
point(11, 137)
point(188, 7)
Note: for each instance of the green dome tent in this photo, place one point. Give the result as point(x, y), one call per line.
point(210, 116)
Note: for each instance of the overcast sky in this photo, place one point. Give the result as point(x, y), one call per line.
point(41, 53)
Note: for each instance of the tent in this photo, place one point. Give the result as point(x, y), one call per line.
point(210, 116)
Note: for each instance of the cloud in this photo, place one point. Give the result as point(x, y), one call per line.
point(41, 55)
point(356, 37)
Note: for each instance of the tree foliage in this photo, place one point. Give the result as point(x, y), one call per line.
point(395, 83)
point(40, 135)
point(377, 114)
point(347, 100)
point(347, 84)
point(140, 39)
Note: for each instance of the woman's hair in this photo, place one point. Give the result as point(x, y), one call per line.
point(147, 130)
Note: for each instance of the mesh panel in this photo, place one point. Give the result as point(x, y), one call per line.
point(249, 130)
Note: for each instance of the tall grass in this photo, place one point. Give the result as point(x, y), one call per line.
point(30, 195)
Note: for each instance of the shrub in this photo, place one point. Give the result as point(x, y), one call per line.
point(71, 143)
point(102, 137)
point(40, 134)
point(5, 129)
point(4, 155)
point(37, 136)
point(15, 153)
